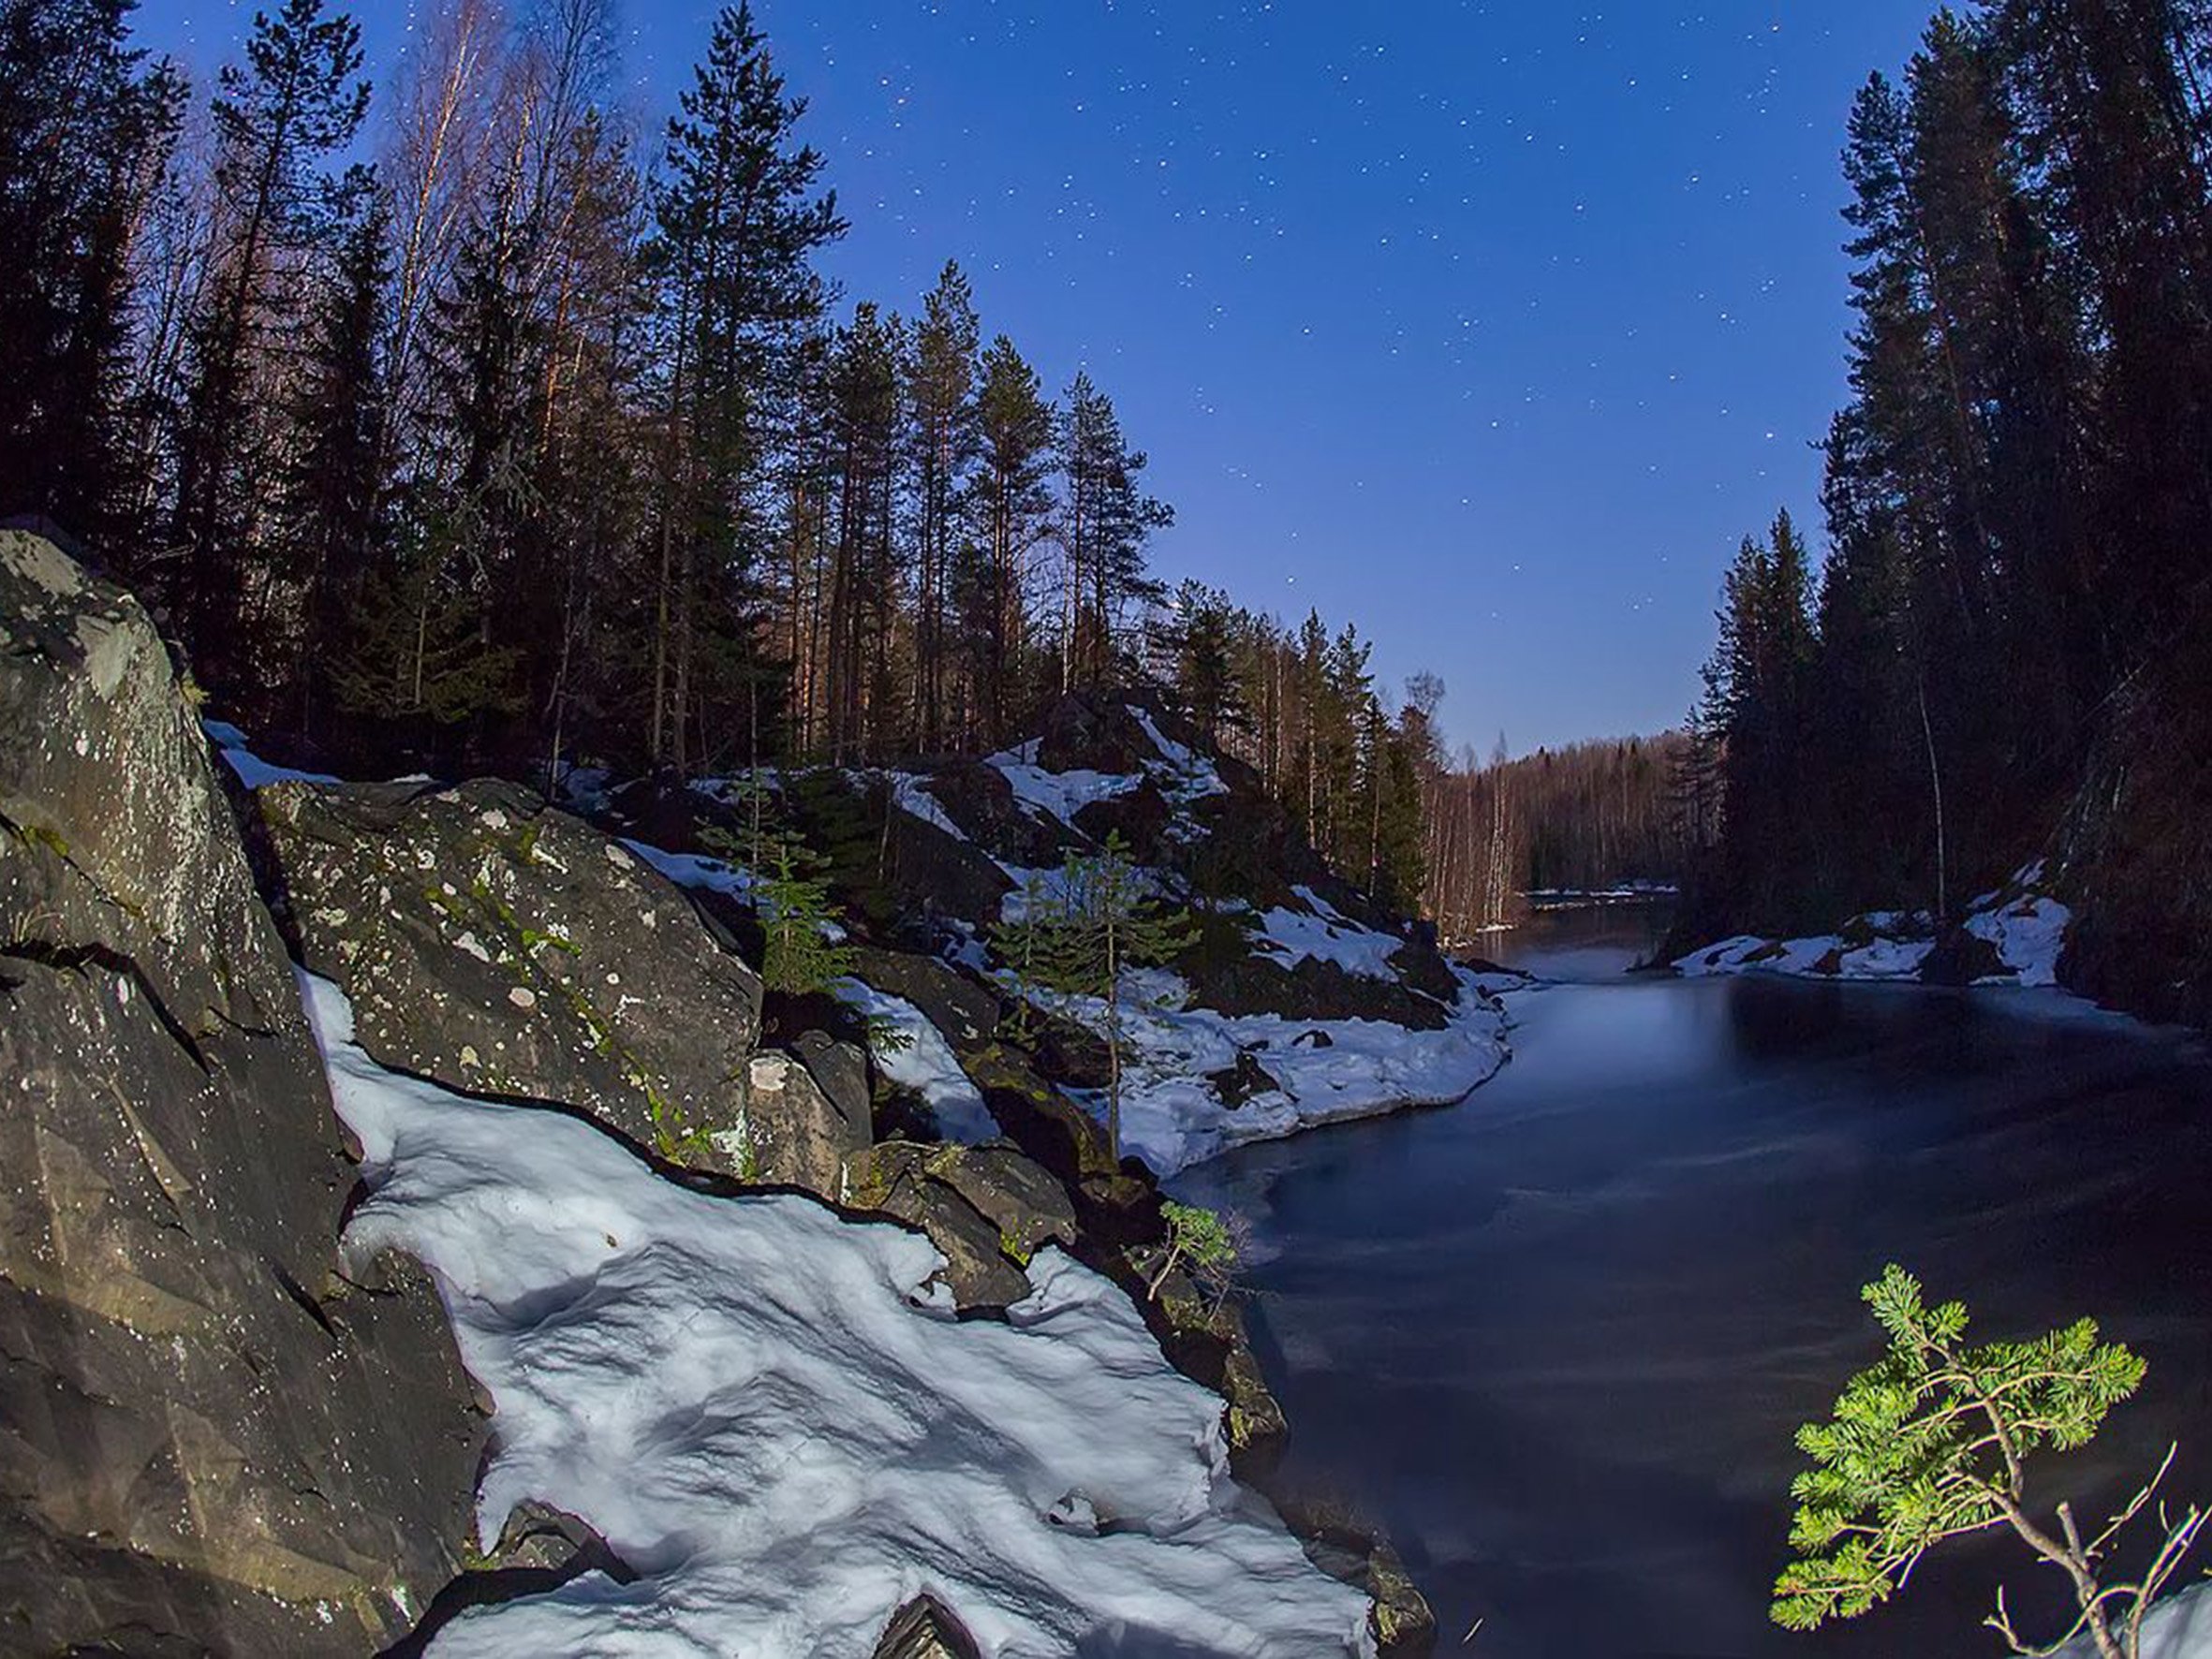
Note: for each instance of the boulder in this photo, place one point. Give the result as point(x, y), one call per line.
point(840, 1071)
point(505, 949)
point(963, 1010)
point(1240, 983)
point(1959, 958)
point(894, 1179)
point(930, 873)
point(1099, 731)
point(791, 1132)
point(988, 1208)
point(1204, 1336)
point(1400, 1619)
point(925, 1628)
point(209, 1443)
point(1247, 1079)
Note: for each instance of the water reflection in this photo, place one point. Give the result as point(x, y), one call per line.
point(1557, 1338)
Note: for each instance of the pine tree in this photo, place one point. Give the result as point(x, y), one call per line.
point(1012, 502)
point(863, 389)
point(942, 446)
point(1933, 1444)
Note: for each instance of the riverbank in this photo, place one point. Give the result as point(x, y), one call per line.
point(1617, 1288)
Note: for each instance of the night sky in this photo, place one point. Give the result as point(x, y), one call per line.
point(1489, 326)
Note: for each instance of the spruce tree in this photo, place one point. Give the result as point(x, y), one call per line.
point(1105, 522)
point(331, 507)
point(1101, 918)
point(296, 101)
point(739, 217)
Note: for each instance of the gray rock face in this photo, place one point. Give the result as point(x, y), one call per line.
point(207, 1442)
point(794, 1133)
point(505, 949)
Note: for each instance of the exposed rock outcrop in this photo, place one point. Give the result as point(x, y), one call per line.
point(208, 1442)
point(506, 948)
point(987, 1209)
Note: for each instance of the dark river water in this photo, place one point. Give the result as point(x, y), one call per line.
point(1556, 1339)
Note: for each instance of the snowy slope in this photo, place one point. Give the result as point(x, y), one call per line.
point(2177, 1628)
point(763, 1411)
point(1320, 932)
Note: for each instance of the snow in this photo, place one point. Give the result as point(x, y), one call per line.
point(586, 789)
point(910, 793)
point(1322, 934)
point(774, 1419)
point(253, 771)
point(924, 1062)
point(2179, 1627)
point(1171, 1118)
point(1190, 776)
point(2028, 934)
point(1183, 775)
point(697, 871)
point(2027, 929)
point(1058, 795)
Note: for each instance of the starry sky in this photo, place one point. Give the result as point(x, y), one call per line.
point(1491, 326)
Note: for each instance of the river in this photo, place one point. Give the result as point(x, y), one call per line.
point(1556, 1339)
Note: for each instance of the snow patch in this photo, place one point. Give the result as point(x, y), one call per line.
point(2028, 936)
point(1322, 933)
point(1325, 1071)
point(697, 871)
point(2026, 930)
point(1058, 795)
point(762, 1410)
point(253, 771)
point(924, 1062)
point(911, 794)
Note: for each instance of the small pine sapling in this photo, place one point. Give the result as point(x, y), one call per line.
point(1932, 1444)
point(1202, 1241)
point(805, 952)
point(1077, 940)
point(1016, 942)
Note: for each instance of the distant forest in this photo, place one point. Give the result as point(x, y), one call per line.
point(2006, 652)
point(1584, 819)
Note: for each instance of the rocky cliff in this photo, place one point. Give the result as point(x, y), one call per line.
point(212, 1439)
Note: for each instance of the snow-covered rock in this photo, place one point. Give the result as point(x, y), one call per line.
point(768, 1414)
point(2023, 932)
point(1174, 1113)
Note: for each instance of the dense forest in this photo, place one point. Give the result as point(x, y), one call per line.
point(468, 428)
point(2006, 652)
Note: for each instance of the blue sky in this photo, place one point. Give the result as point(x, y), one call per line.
point(1489, 326)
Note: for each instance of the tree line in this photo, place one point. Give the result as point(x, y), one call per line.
point(1584, 818)
point(2011, 618)
point(487, 433)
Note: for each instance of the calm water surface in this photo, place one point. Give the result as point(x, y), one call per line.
point(1556, 1339)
